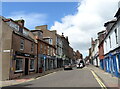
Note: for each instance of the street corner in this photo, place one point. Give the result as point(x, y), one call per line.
point(15, 82)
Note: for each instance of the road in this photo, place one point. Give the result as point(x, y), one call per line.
point(66, 78)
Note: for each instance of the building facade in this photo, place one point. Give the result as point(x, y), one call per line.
point(109, 46)
point(50, 37)
point(101, 36)
point(112, 47)
point(45, 51)
point(20, 51)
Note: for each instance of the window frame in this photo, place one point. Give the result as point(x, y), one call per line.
point(22, 42)
point(33, 64)
point(20, 65)
point(32, 47)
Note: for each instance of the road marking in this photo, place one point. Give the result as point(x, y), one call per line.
point(46, 75)
point(98, 80)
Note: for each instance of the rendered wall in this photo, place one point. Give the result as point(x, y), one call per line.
point(6, 39)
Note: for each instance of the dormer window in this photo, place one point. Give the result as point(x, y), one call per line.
point(13, 25)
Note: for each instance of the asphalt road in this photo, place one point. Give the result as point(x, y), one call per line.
point(66, 78)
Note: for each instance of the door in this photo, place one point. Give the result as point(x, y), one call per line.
point(26, 66)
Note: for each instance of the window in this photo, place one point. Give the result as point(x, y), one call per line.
point(116, 36)
point(13, 25)
point(21, 44)
point(32, 47)
point(48, 50)
point(50, 41)
point(110, 41)
point(118, 64)
point(32, 64)
point(25, 32)
point(19, 63)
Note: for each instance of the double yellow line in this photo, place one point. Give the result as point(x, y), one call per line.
point(98, 80)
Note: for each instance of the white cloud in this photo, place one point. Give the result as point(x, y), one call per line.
point(31, 19)
point(87, 22)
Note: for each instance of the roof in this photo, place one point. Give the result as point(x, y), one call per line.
point(112, 21)
point(118, 13)
point(36, 30)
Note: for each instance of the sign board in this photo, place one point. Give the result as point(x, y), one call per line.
point(44, 57)
point(5, 51)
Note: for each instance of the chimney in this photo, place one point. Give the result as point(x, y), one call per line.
point(92, 41)
point(42, 27)
point(20, 22)
point(63, 34)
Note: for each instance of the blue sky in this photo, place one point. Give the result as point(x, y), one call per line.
point(78, 20)
point(53, 11)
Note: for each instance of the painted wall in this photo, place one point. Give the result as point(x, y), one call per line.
point(112, 35)
point(6, 39)
point(118, 25)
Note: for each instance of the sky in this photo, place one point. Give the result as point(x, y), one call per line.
point(78, 20)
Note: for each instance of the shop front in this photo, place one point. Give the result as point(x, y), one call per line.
point(22, 64)
point(112, 63)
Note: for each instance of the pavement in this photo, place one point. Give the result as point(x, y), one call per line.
point(108, 79)
point(105, 78)
point(27, 78)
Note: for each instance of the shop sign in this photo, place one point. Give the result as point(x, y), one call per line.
point(24, 54)
point(27, 55)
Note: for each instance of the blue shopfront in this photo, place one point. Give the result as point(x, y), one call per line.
point(111, 63)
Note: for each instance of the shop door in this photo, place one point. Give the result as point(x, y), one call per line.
point(26, 66)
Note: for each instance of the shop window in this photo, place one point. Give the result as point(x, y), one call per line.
point(32, 64)
point(19, 64)
point(21, 44)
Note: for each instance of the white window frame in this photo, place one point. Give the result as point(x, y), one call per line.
point(22, 44)
point(13, 25)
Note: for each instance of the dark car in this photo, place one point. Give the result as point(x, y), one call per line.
point(81, 64)
point(68, 66)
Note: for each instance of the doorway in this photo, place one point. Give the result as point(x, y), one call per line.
point(26, 66)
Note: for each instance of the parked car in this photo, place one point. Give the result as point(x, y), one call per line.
point(68, 66)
